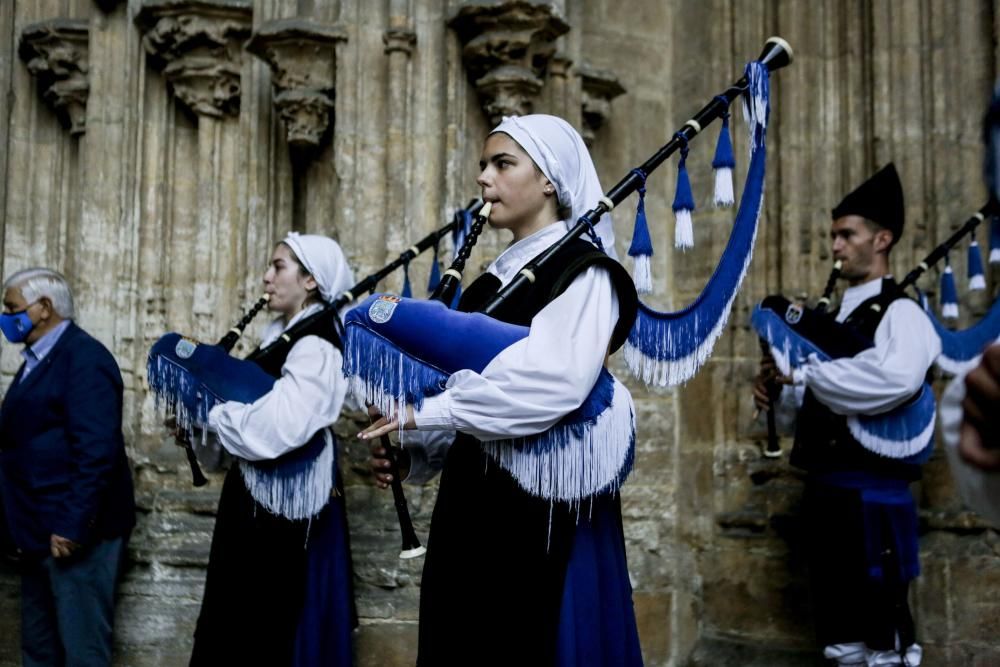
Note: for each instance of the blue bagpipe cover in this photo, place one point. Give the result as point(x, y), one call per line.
point(399, 350)
point(905, 433)
point(961, 350)
point(193, 378)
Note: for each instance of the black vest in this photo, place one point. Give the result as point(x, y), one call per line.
point(823, 443)
point(272, 357)
point(551, 280)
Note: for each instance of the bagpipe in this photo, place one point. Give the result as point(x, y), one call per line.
point(961, 349)
point(793, 333)
point(192, 378)
point(400, 351)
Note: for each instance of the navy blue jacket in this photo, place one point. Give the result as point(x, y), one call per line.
point(63, 467)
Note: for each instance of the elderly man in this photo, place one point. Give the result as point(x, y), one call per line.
point(65, 479)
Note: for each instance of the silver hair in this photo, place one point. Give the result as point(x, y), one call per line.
point(37, 282)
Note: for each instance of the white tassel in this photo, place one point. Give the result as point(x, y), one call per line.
point(642, 274)
point(723, 197)
point(949, 311)
point(977, 282)
point(684, 230)
point(995, 256)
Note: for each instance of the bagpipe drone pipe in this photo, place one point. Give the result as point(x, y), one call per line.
point(961, 349)
point(794, 333)
point(400, 350)
point(192, 378)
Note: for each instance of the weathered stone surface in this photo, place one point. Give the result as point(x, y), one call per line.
point(163, 220)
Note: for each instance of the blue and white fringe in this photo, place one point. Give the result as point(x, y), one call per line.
point(900, 433)
point(961, 350)
point(668, 348)
point(297, 491)
point(569, 463)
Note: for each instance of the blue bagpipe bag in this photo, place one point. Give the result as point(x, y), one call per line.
point(399, 350)
point(193, 378)
point(905, 433)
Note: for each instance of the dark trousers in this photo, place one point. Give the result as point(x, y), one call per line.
point(850, 605)
point(67, 607)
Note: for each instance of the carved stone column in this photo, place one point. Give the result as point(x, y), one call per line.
point(599, 88)
point(56, 53)
point(507, 48)
point(302, 55)
point(198, 44)
point(559, 69)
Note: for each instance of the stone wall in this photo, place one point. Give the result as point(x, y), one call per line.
point(154, 150)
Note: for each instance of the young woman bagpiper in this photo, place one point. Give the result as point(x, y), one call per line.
point(278, 590)
point(526, 559)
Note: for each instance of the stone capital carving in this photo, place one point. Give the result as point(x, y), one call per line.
point(507, 47)
point(198, 44)
point(302, 55)
point(399, 39)
point(56, 54)
point(599, 87)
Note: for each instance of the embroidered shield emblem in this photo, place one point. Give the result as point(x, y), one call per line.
point(185, 348)
point(794, 313)
point(381, 310)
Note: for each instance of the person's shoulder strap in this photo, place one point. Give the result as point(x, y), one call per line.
point(628, 298)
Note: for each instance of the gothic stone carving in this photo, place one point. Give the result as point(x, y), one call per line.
point(56, 54)
point(198, 43)
point(303, 59)
point(507, 48)
point(599, 88)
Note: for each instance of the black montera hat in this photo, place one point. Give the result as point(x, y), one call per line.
point(879, 199)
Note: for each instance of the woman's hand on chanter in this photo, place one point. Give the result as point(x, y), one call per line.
point(385, 425)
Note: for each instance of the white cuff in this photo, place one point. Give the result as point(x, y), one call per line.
point(435, 414)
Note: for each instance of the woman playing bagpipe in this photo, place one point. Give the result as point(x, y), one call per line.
point(517, 572)
point(278, 589)
point(861, 518)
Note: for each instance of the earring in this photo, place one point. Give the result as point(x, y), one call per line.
point(548, 189)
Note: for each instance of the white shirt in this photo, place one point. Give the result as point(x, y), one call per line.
point(535, 382)
point(881, 377)
point(306, 398)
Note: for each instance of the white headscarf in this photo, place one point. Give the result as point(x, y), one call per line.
point(323, 258)
point(560, 153)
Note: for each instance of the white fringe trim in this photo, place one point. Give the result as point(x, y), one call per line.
point(299, 497)
point(995, 256)
point(683, 230)
point(896, 449)
point(723, 197)
point(977, 282)
point(955, 367)
point(575, 470)
point(642, 274)
point(663, 373)
point(949, 311)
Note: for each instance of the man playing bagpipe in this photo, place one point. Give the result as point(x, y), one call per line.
point(860, 516)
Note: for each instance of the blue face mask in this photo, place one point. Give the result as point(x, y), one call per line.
point(16, 326)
